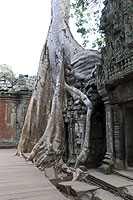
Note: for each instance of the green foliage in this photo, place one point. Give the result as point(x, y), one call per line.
point(87, 15)
point(6, 71)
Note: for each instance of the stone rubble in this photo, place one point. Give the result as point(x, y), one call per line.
point(85, 191)
point(98, 186)
point(15, 85)
point(76, 188)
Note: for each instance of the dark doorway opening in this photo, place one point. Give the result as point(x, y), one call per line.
point(129, 135)
point(66, 155)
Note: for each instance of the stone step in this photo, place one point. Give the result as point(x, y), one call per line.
point(76, 188)
point(129, 192)
point(126, 174)
point(84, 191)
point(112, 182)
point(100, 194)
point(105, 195)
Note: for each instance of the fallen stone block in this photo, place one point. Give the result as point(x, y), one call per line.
point(82, 188)
point(65, 186)
point(128, 192)
point(76, 188)
point(112, 181)
point(87, 196)
point(105, 195)
point(50, 173)
point(55, 177)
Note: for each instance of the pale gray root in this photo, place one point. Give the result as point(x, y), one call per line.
point(84, 64)
point(49, 149)
point(78, 95)
point(24, 141)
point(33, 122)
point(76, 173)
point(86, 145)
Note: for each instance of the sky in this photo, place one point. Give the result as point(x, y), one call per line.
point(23, 29)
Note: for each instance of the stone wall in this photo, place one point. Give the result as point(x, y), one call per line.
point(117, 24)
point(115, 81)
point(15, 95)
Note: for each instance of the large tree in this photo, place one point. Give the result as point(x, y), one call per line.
point(63, 62)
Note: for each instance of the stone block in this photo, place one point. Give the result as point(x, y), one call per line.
point(55, 177)
point(65, 187)
point(76, 188)
point(82, 188)
point(117, 183)
point(119, 164)
point(128, 192)
point(105, 195)
point(87, 196)
point(105, 168)
point(50, 173)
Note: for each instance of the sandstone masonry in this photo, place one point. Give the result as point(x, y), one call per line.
point(15, 95)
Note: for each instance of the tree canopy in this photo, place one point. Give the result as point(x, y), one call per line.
point(87, 16)
point(6, 70)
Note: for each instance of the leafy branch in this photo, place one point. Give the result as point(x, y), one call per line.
point(87, 14)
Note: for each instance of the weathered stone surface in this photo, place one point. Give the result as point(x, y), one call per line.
point(81, 188)
point(75, 123)
point(87, 196)
point(125, 173)
point(15, 85)
point(105, 168)
point(115, 83)
point(15, 95)
point(76, 188)
point(105, 195)
point(55, 177)
point(118, 51)
point(112, 180)
point(128, 192)
point(50, 173)
point(65, 186)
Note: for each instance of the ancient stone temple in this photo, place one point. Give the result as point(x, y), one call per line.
point(115, 82)
point(15, 95)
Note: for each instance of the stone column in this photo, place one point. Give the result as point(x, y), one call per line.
point(109, 129)
point(119, 164)
point(108, 159)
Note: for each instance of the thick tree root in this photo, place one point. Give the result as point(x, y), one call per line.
point(25, 135)
point(50, 147)
point(78, 95)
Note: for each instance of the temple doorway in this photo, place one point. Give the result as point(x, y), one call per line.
point(128, 119)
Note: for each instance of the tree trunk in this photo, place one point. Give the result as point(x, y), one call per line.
point(63, 61)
